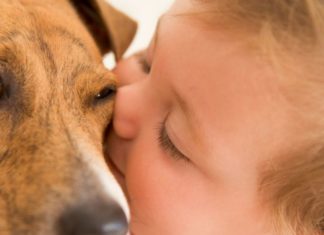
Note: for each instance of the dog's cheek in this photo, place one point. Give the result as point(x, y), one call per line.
point(5, 129)
point(98, 121)
point(103, 114)
point(4, 227)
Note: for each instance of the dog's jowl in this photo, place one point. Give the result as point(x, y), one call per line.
point(56, 101)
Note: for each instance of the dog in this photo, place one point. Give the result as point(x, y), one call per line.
point(56, 101)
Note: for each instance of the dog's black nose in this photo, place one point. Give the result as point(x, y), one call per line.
point(93, 219)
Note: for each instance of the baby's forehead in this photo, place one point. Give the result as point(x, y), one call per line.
point(220, 50)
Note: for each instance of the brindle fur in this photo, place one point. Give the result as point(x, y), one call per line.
point(51, 123)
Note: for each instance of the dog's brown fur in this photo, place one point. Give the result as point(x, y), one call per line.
point(56, 100)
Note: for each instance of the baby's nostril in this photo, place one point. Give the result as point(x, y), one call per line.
point(93, 219)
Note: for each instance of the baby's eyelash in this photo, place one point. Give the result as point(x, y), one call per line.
point(167, 145)
point(145, 66)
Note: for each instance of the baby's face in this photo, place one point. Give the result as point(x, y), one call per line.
point(192, 128)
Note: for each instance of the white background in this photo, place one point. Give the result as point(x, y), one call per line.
point(146, 13)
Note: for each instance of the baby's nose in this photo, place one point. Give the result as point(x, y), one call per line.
point(128, 71)
point(95, 218)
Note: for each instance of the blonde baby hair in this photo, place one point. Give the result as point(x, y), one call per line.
point(289, 33)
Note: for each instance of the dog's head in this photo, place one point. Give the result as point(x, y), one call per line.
point(56, 100)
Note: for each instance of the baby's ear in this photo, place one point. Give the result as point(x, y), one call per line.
point(111, 29)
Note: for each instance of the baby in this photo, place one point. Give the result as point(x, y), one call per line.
point(218, 124)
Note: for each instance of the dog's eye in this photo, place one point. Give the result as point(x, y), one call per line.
point(1, 90)
point(106, 92)
point(3, 93)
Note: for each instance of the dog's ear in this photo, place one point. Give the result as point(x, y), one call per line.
point(111, 29)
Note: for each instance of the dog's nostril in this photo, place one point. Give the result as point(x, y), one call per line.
point(93, 219)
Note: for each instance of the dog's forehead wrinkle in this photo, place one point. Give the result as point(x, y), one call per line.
point(16, 41)
point(73, 39)
point(57, 42)
point(50, 44)
point(49, 61)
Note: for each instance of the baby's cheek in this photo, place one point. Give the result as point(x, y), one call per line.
point(147, 182)
point(153, 190)
point(163, 193)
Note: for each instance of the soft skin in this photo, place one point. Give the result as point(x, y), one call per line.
point(222, 108)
